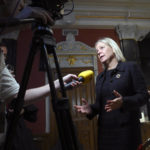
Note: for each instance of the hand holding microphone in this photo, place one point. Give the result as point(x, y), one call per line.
point(83, 77)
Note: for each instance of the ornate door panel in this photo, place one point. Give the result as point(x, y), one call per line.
point(75, 57)
point(86, 129)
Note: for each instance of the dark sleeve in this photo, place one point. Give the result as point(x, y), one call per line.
point(96, 106)
point(140, 95)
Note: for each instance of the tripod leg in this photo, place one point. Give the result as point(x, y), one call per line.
point(68, 114)
point(19, 101)
point(61, 109)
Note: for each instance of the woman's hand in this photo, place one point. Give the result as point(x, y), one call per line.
point(84, 109)
point(115, 103)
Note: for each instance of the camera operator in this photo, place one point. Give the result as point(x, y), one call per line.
point(8, 86)
point(17, 9)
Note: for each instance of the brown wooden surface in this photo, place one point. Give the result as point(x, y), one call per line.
point(86, 129)
point(145, 130)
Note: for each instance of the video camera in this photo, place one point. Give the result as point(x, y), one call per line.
point(53, 6)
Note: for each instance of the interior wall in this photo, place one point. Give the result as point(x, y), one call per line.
point(144, 47)
point(37, 78)
point(89, 36)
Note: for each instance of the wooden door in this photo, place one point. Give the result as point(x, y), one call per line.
point(86, 129)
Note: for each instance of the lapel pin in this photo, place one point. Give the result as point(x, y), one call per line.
point(118, 75)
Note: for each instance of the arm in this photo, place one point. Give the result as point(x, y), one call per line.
point(9, 88)
point(7, 9)
point(140, 94)
point(35, 94)
point(134, 101)
point(96, 106)
point(11, 8)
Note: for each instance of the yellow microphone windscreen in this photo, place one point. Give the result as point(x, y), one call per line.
point(86, 76)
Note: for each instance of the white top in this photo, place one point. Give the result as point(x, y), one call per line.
point(8, 85)
point(8, 88)
point(2, 62)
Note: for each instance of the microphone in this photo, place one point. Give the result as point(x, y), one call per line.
point(84, 76)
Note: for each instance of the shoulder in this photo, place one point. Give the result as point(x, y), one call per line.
point(2, 62)
point(100, 76)
point(9, 86)
point(131, 67)
point(128, 65)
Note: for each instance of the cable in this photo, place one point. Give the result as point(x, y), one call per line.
point(70, 10)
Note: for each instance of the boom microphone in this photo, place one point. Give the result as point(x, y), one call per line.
point(84, 77)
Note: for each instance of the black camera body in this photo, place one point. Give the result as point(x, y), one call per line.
point(53, 6)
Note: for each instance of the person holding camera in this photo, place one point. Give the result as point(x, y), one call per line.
point(17, 9)
point(9, 87)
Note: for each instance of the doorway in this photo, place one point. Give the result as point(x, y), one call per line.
point(86, 129)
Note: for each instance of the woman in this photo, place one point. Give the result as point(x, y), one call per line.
point(120, 91)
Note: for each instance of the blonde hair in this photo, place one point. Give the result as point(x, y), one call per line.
point(117, 51)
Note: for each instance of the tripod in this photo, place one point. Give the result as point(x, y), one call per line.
point(43, 40)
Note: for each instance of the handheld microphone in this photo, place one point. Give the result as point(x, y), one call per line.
point(84, 77)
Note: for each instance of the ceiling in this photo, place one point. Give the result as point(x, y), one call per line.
point(107, 13)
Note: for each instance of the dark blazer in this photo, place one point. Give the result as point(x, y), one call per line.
point(128, 80)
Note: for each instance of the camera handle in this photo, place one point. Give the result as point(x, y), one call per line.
point(43, 40)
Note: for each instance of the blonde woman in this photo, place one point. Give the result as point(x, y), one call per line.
point(120, 91)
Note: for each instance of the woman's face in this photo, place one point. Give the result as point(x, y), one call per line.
point(104, 52)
